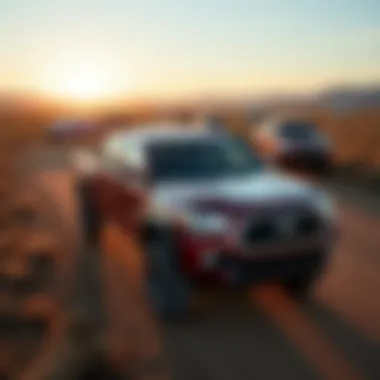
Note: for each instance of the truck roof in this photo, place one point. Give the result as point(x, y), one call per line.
point(155, 132)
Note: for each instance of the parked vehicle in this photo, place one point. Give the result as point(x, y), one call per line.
point(208, 212)
point(295, 143)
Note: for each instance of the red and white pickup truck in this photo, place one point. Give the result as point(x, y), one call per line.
point(207, 211)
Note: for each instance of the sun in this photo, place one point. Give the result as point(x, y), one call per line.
point(86, 79)
point(83, 83)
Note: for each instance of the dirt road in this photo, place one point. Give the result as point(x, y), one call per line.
point(264, 334)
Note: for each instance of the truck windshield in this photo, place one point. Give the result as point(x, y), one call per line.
point(201, 159)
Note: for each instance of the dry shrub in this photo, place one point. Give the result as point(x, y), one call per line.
point(356, 136)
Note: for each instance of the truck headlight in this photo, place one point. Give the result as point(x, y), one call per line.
point(206, 224)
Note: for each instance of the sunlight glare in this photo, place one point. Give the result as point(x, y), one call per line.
point(85, 79)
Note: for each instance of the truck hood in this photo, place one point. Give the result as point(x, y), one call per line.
point(262, 188)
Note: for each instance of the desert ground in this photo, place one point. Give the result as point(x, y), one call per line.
point(263, 333)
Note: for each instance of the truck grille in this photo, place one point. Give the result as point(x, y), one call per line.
point(283, 227)
point(261, 232)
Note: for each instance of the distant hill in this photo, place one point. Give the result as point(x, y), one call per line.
point(337, 98)
point(349, 97)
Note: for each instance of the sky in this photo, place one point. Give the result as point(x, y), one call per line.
point(176, 48)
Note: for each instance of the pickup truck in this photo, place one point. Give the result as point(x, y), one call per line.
point(207, 211)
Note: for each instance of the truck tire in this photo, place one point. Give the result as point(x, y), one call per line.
point(301, 285)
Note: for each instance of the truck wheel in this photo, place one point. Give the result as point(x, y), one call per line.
point(89, 213)
point(299, 286)
point(169, 291)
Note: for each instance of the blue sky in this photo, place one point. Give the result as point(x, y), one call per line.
point(178, 47)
